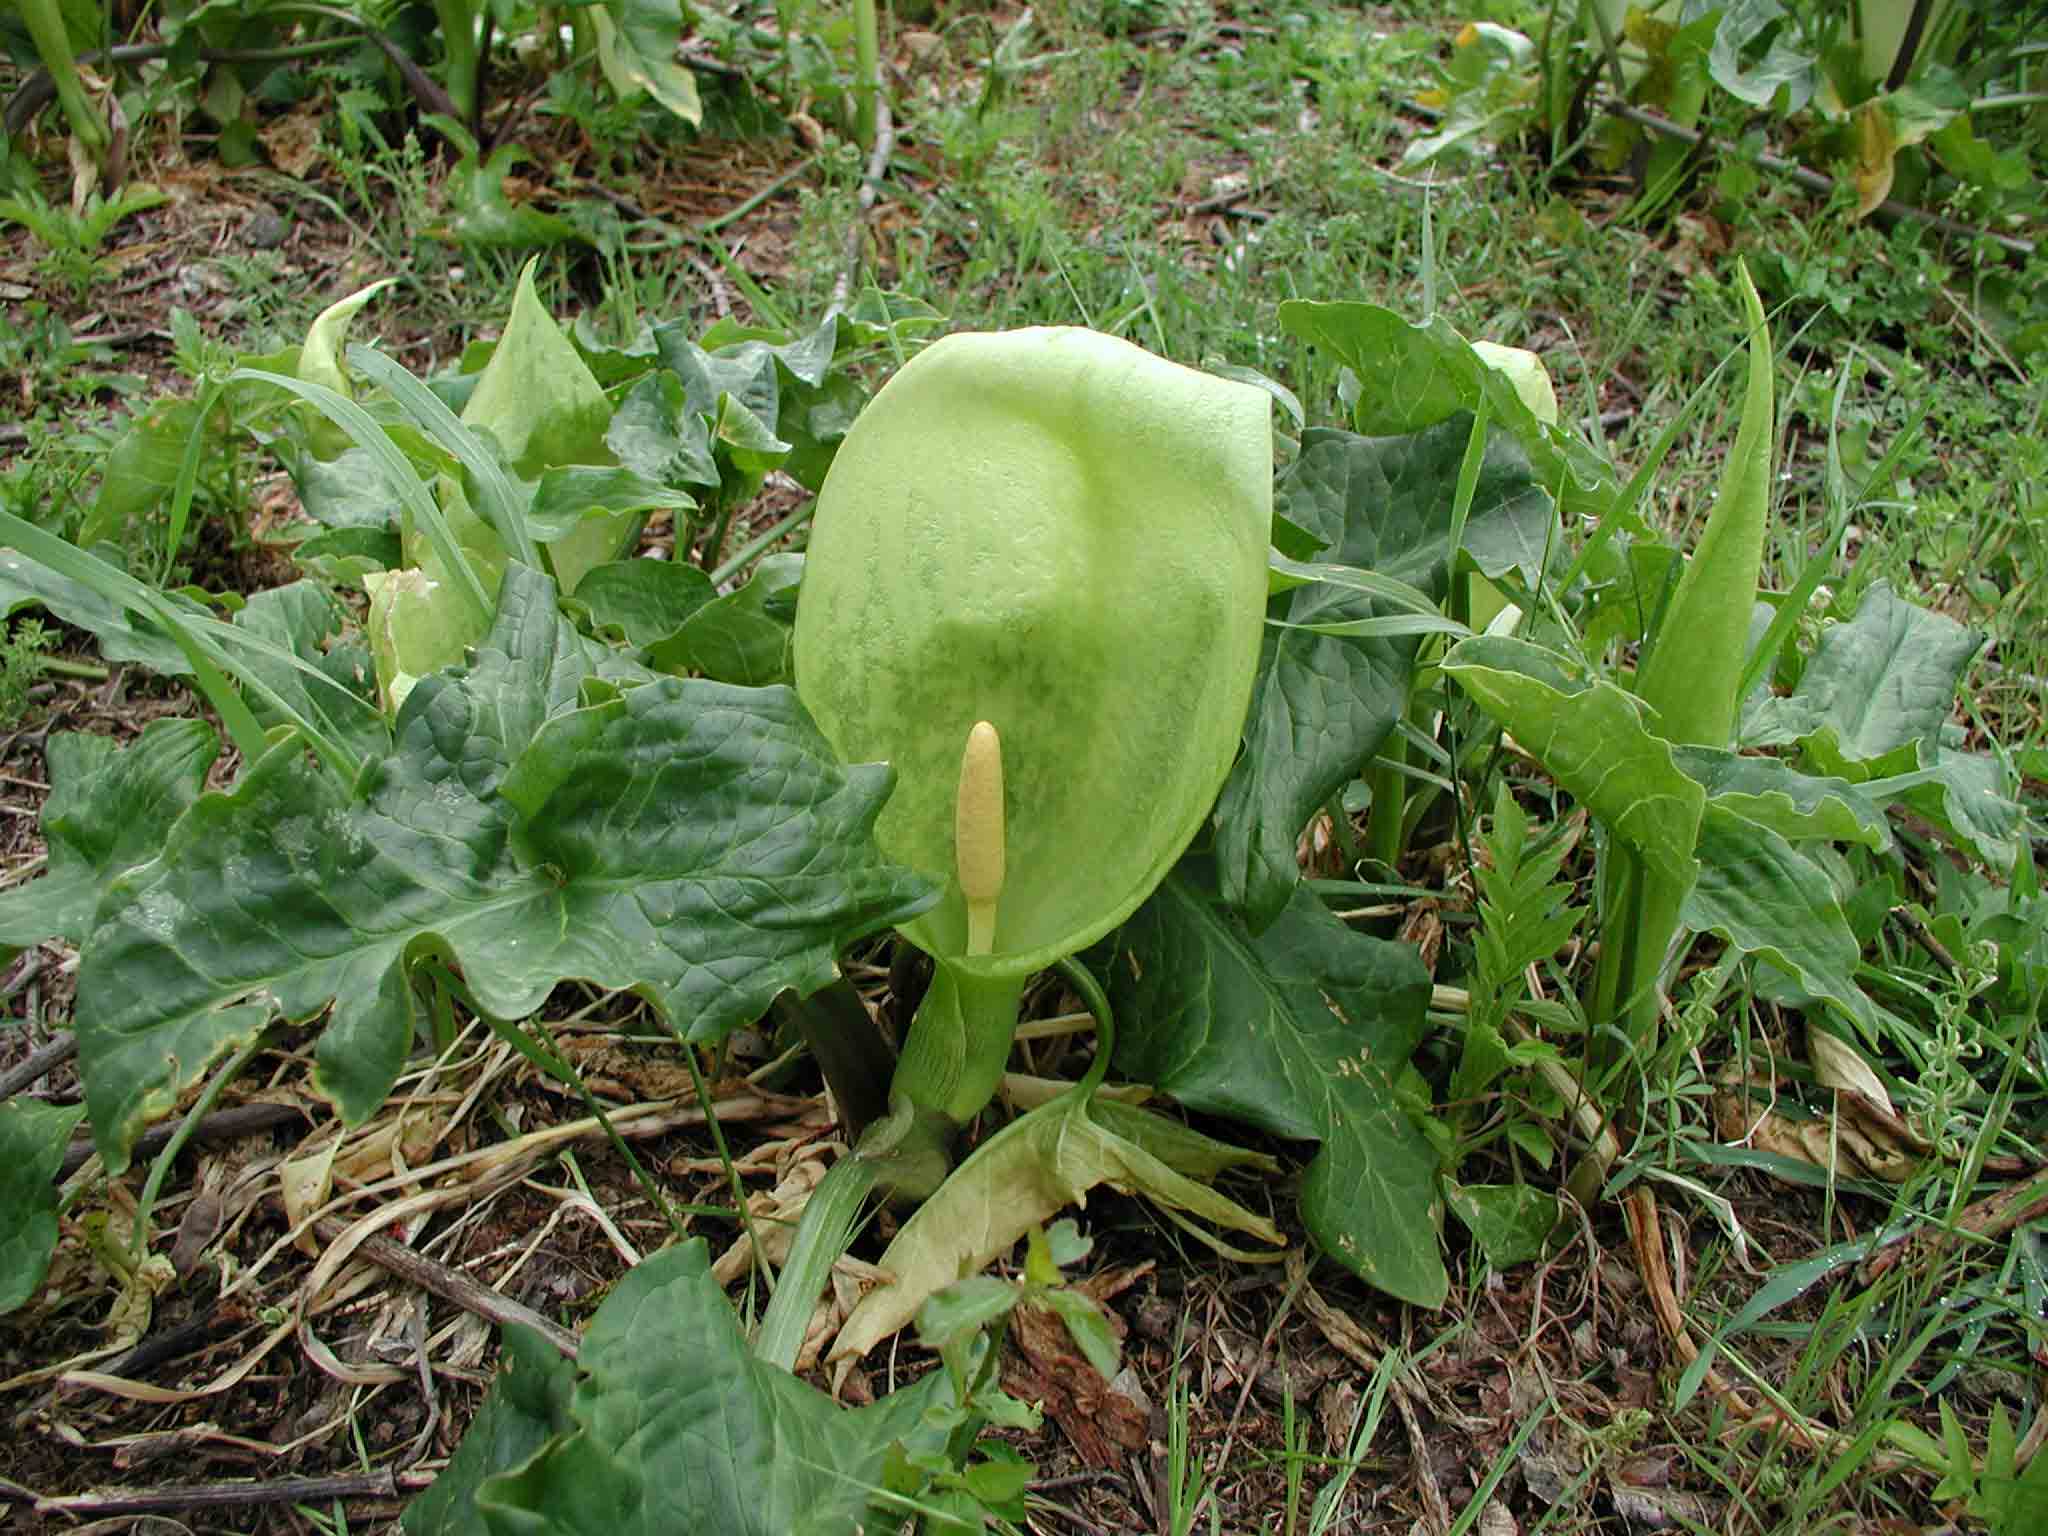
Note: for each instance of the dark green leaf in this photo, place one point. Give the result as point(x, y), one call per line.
point(140, 470)
point(643, 600)
point(1884, 680)
point(1415, 376)
point(485, 216)
point(637, 52)
point(691, 841)
point(1766, 898)
point(347, 492)
point(1510, 1222)
point(655, 433)
point(110, 809)
point(571, 492)
point(527, 1406)
point(1792, 804)
point(1299, 1031)
point(743, 637)
point(33, 1137)
point(1324, 704)
point(337, 691)
point(678, 1429)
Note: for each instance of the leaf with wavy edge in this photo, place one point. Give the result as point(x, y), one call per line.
point(693, 842)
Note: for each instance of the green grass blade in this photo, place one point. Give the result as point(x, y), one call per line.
point(398, 470)
point(206, 641)
point(499, 503)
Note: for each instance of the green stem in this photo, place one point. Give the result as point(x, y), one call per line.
point(867, 72)
point(959, 1042)
point(1096, 1001)
point(1383, 822)
point(761, 542)
point(739, 1193)
point(458, 20)
point(59, 666)
point(45, 19)
point(849, 1050)
point(201, 1108)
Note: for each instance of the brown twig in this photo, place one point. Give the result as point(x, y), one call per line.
point(2013, 1206)
point(1646, 1233)
point(870, 189)
point(221, 1125)
point(449, 1284)
point(43, 1059)
point(385, 1484)
point(33, 964)
point(1814, 181)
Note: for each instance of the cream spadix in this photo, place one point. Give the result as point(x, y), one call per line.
point(978, 834)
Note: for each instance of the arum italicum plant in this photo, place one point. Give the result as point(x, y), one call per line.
point(1035, 586)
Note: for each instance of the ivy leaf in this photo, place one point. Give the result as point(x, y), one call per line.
point(1324, 704)
point(694, 842)
point(1301, 1032)
point(677, 1428)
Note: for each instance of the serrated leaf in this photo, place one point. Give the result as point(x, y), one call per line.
point(109, 809)
point(1322, 704)
point(33, 1137)
point(1299, 1031)
point(678, 1429)
point(693, 842)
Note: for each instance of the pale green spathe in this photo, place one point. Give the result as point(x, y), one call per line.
point(1057, 532)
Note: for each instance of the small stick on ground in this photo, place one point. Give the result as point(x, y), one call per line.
point(870, 189)
point(221, 1125)
point(449, 1284)
point(284, 1490)
point(1993, 1216)
point(43, 1060)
